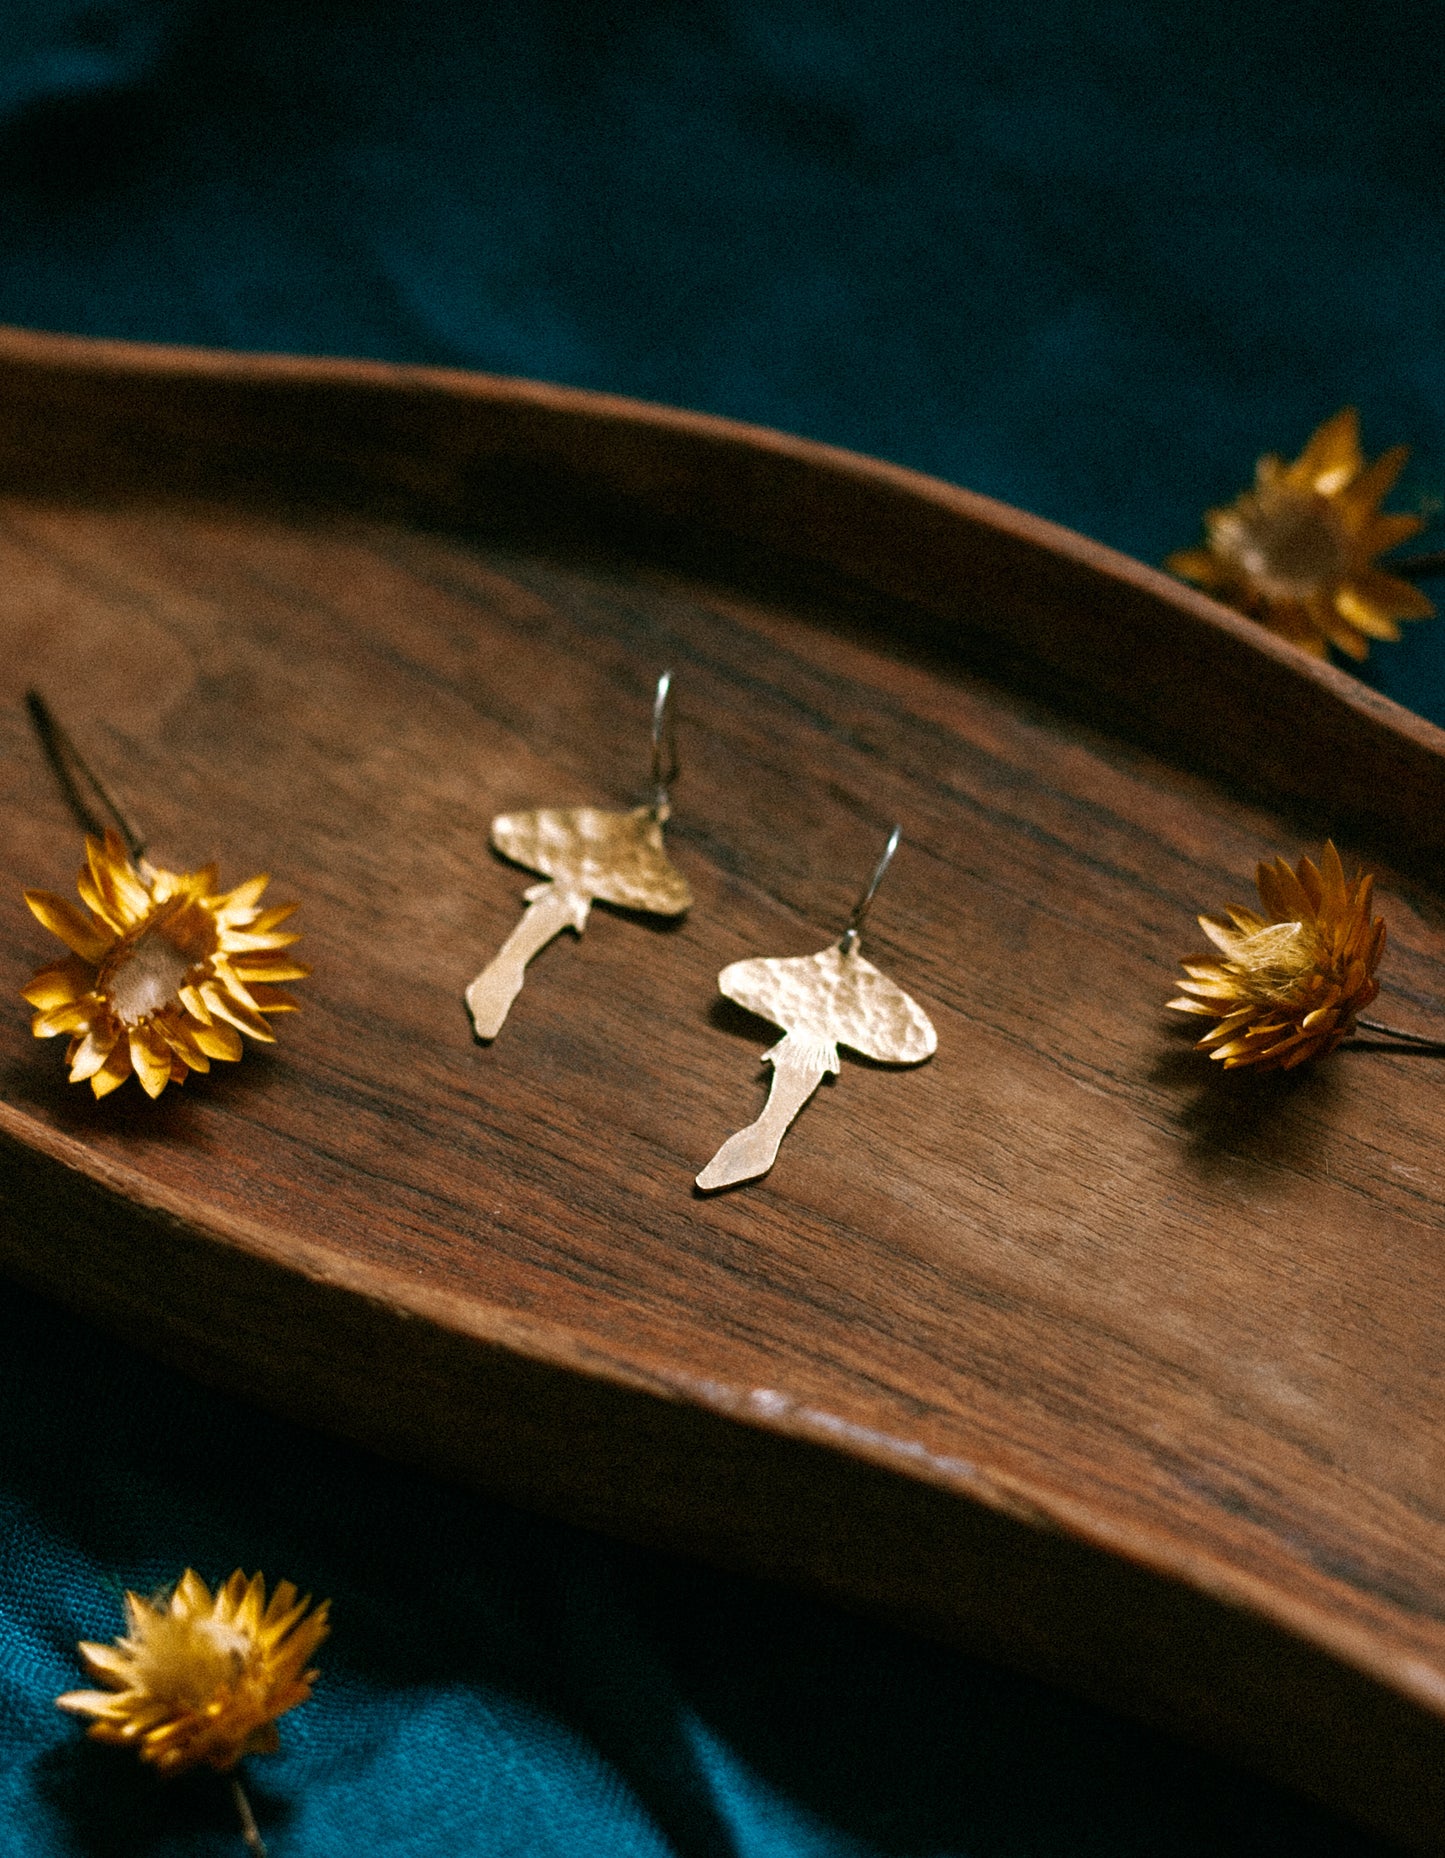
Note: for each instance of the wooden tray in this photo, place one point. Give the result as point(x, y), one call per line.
point(1062, 1344)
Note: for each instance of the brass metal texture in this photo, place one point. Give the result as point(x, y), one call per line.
point(589, 856)
point(821, 1001)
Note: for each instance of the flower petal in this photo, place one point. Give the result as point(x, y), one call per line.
point(1388, 531)
point(68, 1018)
point(91, 1054)
point(243, 898)
point(178, 1035)
point(1332, 458)
point(243, 1018)
point(60, 983)
point(1223, 937)
point(1245, 921)
point(1336, 894)
point(1369, 488)
point(1312, 884)
point(1197, 565)
point(215, 1041)
point(242, 941)
point(90, 1702)
point(1364, 616)
point(117, 878)
point(190, 998)
point(253, 968)
point(1282, 893)
point(1345, 638)
point(89, 939)
point(96, 901)
point(1388, 593)
point(152, 1060)
point(191, 1595)
point(113, 1073)
point(112, 1664)
point(274, 1000)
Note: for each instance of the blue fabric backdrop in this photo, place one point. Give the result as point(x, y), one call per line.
point(1089, 258)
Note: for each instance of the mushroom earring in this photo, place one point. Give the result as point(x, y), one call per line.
point(821, 1001)
point(586, 856)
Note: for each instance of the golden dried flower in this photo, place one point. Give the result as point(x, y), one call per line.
point(167, 972)
point(200, 1678)
point(1289, 983)
point(1298, 551)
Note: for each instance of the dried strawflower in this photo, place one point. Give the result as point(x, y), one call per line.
point(1298, 551)
point(199, 1679)
point(167, 971)
point(1287, 986)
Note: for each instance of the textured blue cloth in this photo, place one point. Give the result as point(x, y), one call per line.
point(503, 1686)
point(1091, 259)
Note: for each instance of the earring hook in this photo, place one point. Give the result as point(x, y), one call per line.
point(665, 764)
point(864, 903)
point(87, 798)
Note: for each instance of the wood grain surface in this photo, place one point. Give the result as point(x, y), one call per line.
point(1060, 1344)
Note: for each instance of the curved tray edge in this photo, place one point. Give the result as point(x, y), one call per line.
point(1003, 1566)
point(1175, 666)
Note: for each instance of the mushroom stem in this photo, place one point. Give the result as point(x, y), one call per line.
point(550, 909)
point(799, 1065)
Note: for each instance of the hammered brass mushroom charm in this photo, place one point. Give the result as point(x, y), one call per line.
point(821, 1001)
point(587, 856)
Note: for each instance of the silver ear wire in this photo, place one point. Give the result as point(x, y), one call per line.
point(665, 764)
point(864, 903)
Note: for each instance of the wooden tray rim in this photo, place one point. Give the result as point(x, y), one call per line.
point(1029, 1500)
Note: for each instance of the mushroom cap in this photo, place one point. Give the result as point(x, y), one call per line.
point(614, 857)
point(836, 997)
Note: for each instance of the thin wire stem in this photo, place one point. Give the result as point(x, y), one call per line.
point(861, 907)
point(1419, 1039)
point(665, 764)
point(1419, 567)
point(250, 1831)
point(84, 793)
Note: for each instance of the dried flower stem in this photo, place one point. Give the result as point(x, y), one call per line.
point(1420, 567)
point(80, 784)
point(250, 1831)
point(1421, 1040)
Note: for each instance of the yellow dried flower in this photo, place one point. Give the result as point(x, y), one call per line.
point(166, 973)
point(201, 1679)
point(1290, 982)
point(1298, 551)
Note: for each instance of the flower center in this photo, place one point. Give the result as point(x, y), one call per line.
point(186, 1661)
point(144, 975)
point(232, 1646)
point(1285, 543)
point(1275, 960)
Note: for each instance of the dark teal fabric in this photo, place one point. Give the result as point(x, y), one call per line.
point(502, 1686)
point(1091, 259)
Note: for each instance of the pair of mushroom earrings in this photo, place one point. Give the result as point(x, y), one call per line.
point(166, 970)
point(835, 997)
